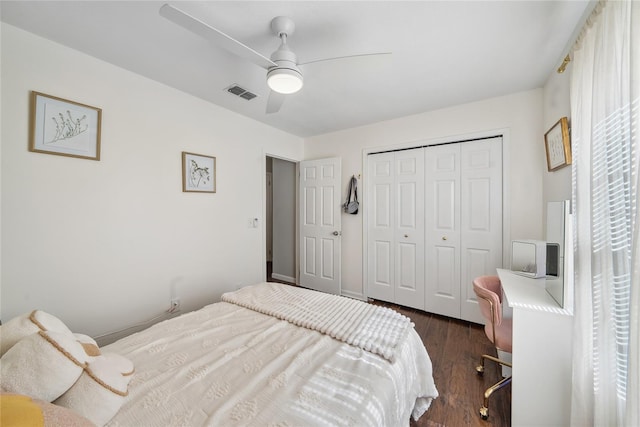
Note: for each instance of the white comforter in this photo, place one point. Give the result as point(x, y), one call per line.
point(226, 365)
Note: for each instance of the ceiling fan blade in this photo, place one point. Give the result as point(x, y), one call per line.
point(344, 57)
point(274, 102)
point(226, 42)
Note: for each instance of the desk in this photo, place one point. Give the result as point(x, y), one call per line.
point(542, 340)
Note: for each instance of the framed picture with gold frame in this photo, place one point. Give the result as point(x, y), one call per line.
point(558, 145)
point(198, 173)
point(64, 128)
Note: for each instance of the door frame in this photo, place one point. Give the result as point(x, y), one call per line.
point(506, 199)
point(263, 209)
point(269, 215)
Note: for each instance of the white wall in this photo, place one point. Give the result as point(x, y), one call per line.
point(556, 104)
point(104, 244)
point(520, 114)
point(284, 220)
point(80, 238)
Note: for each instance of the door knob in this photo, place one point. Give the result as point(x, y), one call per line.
point(406, 235)
point(444, 237)
point(336, 233)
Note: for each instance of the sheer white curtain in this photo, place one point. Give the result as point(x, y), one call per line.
point(606, 198)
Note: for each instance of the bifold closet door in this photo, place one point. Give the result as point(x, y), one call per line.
point(434, 218)
point(463, 218)
point(481, 218)
point(442, 222)
point(380, 233)
point(409, 229)
point(395, 266)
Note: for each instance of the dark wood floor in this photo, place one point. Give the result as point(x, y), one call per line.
point(455, 347)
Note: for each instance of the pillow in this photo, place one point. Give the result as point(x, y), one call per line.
point(89, 344)
point(42, 365)
point(17, 410)
point(22, 411)
point(100, 391)
point(26, 324)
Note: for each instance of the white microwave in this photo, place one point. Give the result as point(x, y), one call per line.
point(529, 258)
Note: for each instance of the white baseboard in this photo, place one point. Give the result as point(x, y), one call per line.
point(283, 277)
point(353, 295)
point(114, 336)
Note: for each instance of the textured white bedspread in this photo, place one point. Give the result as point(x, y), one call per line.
point(373, 328)
point(226, 365)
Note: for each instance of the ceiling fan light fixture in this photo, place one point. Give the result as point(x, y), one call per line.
point(284, 80)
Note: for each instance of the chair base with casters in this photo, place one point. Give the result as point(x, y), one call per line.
point(499, 331)
point(484, 409)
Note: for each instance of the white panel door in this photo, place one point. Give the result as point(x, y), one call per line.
point(442, 223)
point(409, 228)
point(320, 225)
point(381, 219)
point(481, 218)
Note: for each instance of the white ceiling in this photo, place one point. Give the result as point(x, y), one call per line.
point(443, 52)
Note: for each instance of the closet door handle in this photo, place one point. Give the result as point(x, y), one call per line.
point(406, 235)
point(336, 233)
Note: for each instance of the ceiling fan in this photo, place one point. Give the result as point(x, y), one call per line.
point(283, 73)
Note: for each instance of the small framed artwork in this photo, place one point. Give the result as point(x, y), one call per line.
point(198, 173)
point(64, 128)
point(558, 145)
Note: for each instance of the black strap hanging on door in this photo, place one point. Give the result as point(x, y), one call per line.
point(351, 206)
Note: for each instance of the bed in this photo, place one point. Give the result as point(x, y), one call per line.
point(239, 362)
point(266, 355)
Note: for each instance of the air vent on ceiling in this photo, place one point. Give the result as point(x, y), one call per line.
point(241, 92)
